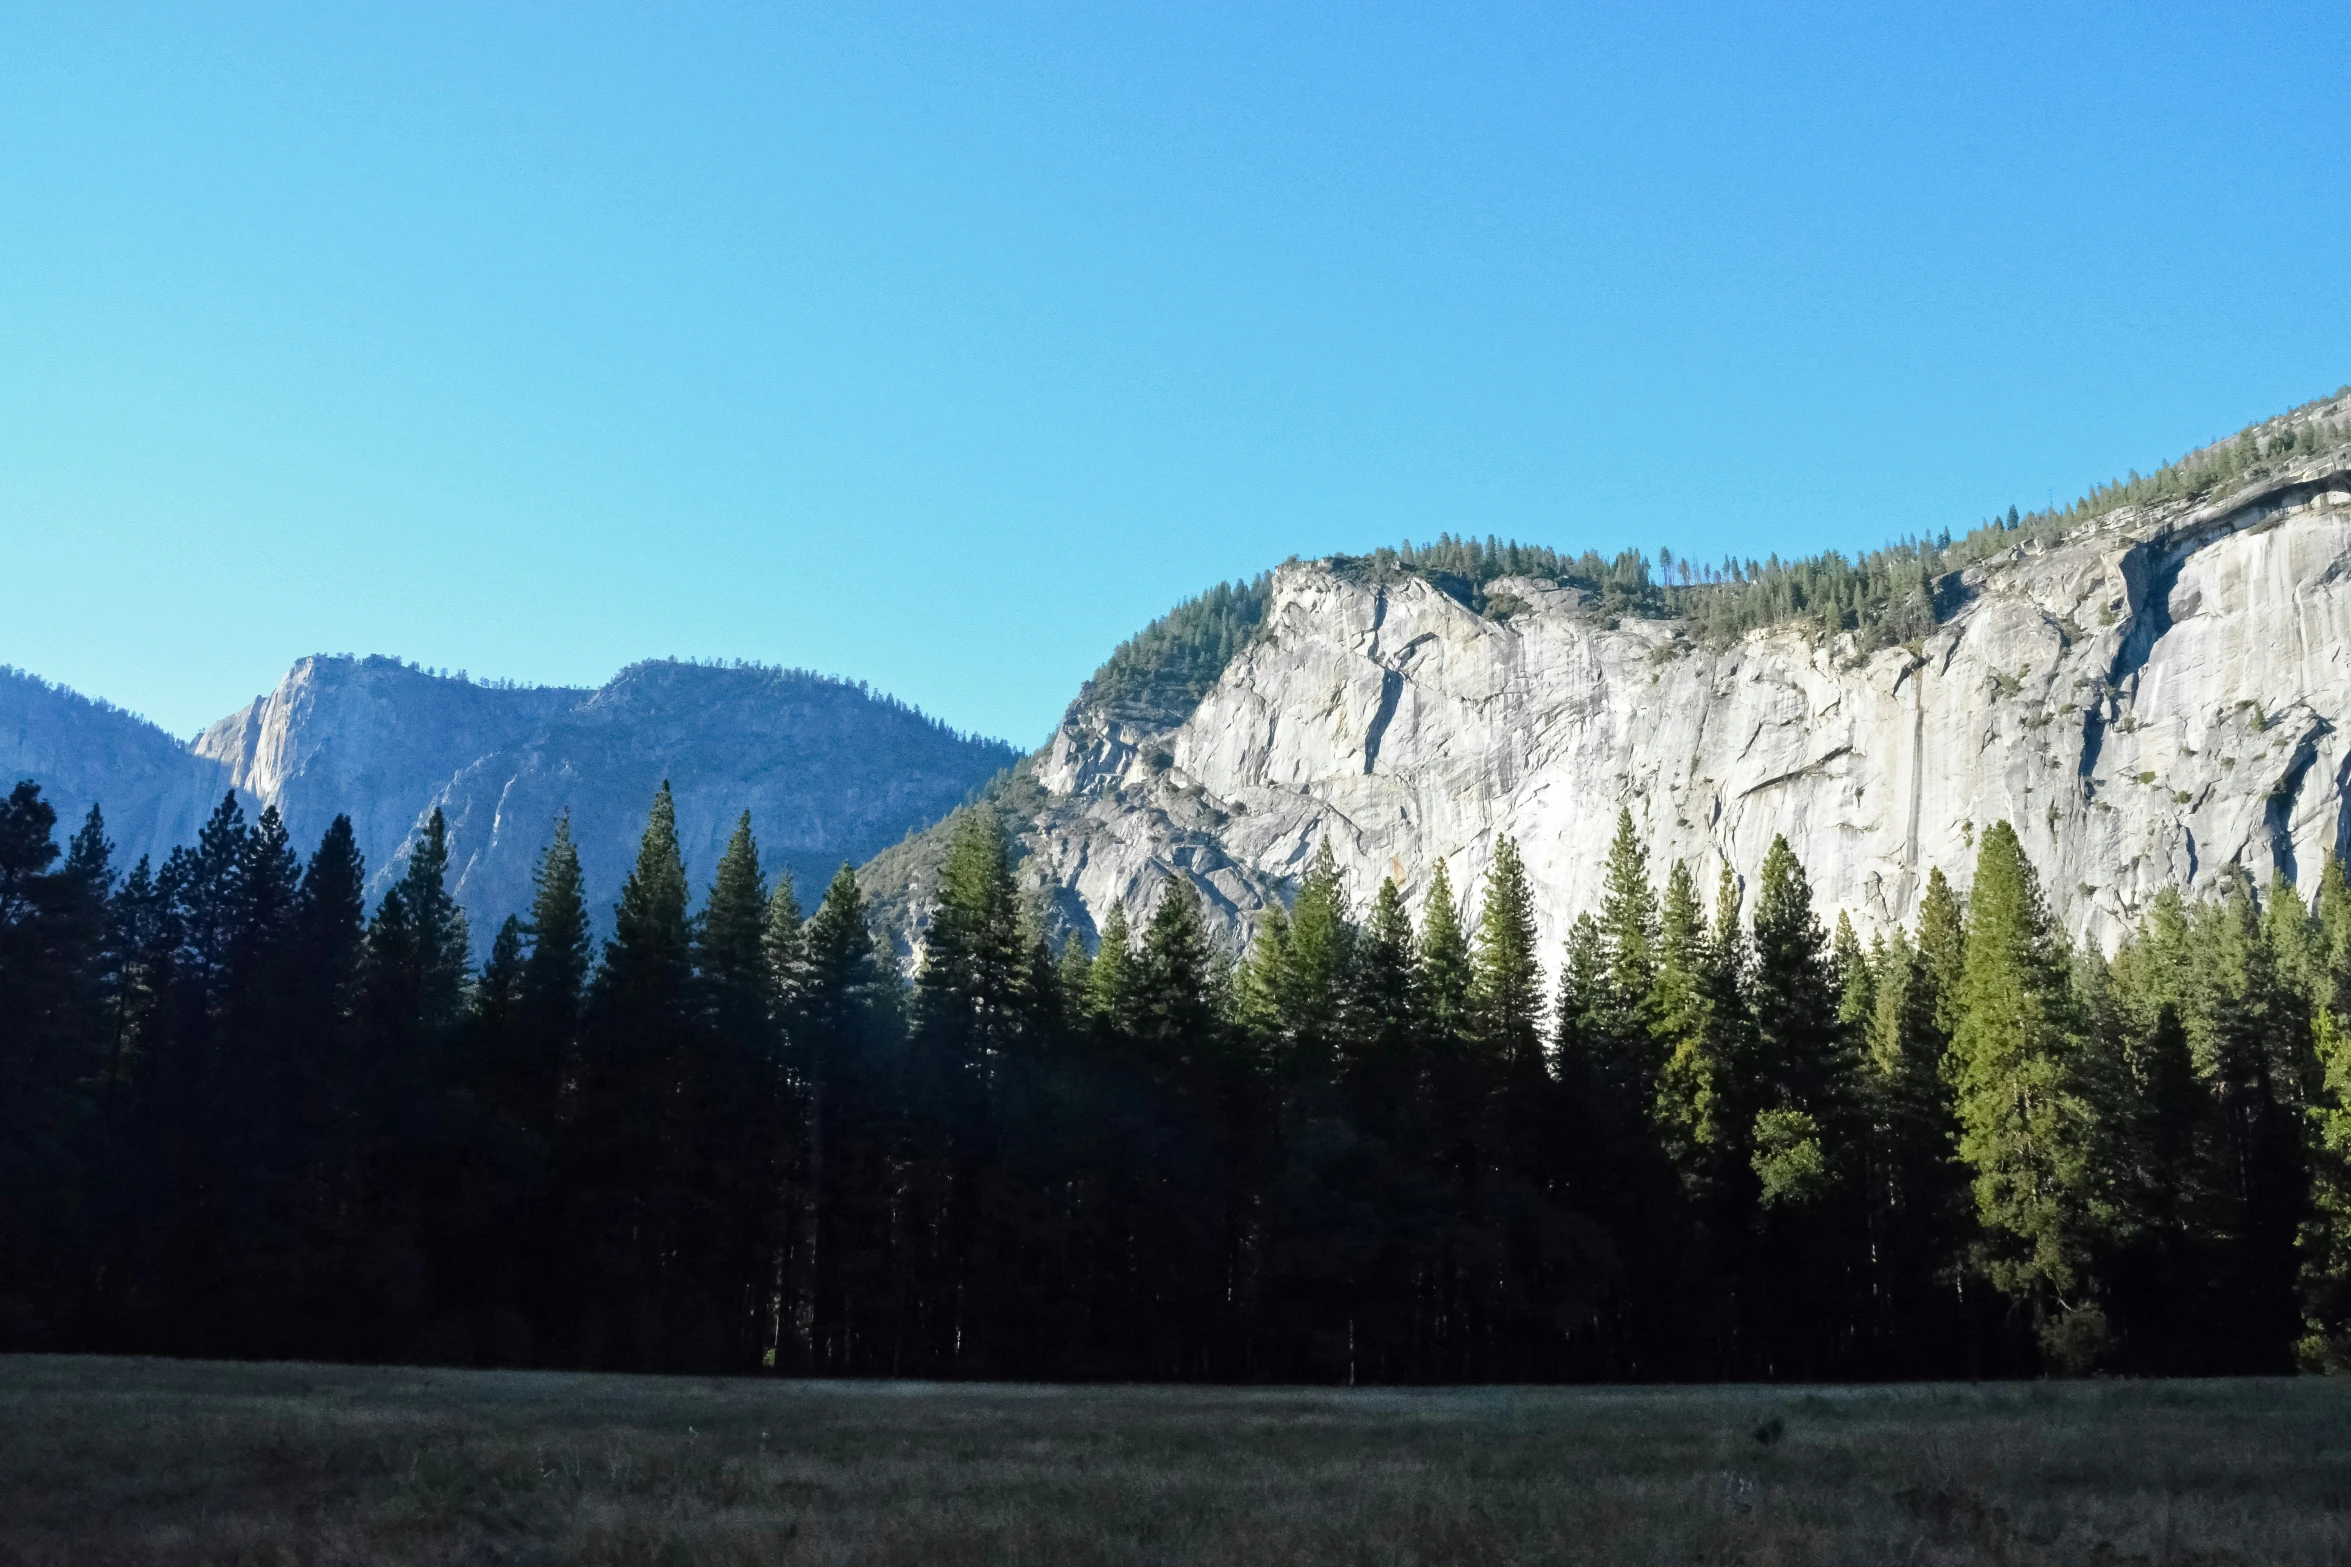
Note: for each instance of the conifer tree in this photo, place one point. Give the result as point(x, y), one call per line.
point(2161, 1179)
point(729, 940)
point(2325, 1240)
point(1176, 1019)
point(2023, 1119)
point(1916, 1191)
point(630, 1146)
point(1794, 993)
point(1383, 1035)
point(2250, 1041)
point(1942, 948)
point(1459, 1082)
point(973, 1008)
point(848, 1136)
point(783, 944)
point(327, 942)
point(1315, 972)
point(643, 983)
point(206, 887)
point(497, 991)
point(732, 1106)
point(1110, 977)
point(1688, 1042)
point(543, 1046)
point(1446, 971)
point(47, 948)
point(1506, 984)
point(1629, 931)
point(437, 925)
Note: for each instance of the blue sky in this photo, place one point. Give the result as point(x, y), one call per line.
point(943, 346)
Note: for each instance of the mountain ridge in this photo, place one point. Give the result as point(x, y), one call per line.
point(831, 769)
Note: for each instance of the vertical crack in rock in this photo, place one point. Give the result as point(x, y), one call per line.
point(2342, 808)
point(2150, 619)
point(2279, 811)
point(1391, 691)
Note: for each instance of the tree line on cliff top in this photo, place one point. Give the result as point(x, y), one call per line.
point(1882, 597)
point(247, 1116)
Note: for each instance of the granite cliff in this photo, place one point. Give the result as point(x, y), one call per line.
point(2154, 697)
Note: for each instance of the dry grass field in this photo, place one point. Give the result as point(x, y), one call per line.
point(146, 1461)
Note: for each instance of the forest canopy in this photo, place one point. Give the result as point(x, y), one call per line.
point(243, 1115)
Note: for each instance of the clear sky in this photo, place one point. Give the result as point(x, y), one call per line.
point(943, 346)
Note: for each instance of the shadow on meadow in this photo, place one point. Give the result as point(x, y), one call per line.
point(106, 1461)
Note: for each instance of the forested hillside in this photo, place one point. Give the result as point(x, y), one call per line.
point(245, 1115)
point(1883, 596)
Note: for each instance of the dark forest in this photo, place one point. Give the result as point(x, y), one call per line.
point(247, 1116)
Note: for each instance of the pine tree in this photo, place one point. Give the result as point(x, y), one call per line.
point(1794, 997)
point(2325, 1240)
point(2163, 1185)
point(732, 1109)
point(629, 1142)
point(2248, 1034)
point(1383, 1046)
point(206, 883)
point(1942, 948)
point(47, 949)
point(1688, 1043)
point(1110, 978)
point(729, 940)
point(2023, 1119)
point(848, 1137)
point(1915, 1190)
point(327, 943)
point(783, 944)
point(497, 992)
point(1629, 931)
point(1312, 985)
point(1506, 985)
point(973, 1008)
point(1190, 1225)
point(545, 1039)
point(1446, 971)
point(438, 927)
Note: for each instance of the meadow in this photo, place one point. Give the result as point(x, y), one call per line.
point(146, 1461)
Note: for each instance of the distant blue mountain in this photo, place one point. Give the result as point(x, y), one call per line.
point(830, 771)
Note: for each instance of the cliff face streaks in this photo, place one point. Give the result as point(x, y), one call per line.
point(2149, 701)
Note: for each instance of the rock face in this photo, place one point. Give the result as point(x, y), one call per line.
point(2148, 702)
point(830, 772)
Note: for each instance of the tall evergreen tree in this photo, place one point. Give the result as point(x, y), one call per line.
point(1110, 978)
point(630, 1136)
point(1446, 971)
point(848, 1139)
point(2023, 1118)
point(732, 1092)
point(554, 981)
point(1506, 984)
point(48, 955)
point(973, 1004)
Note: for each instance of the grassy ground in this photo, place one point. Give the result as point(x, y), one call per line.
point(149, 1461)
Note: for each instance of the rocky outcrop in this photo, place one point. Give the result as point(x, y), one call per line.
point(2150, 701)
point(830, 771)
